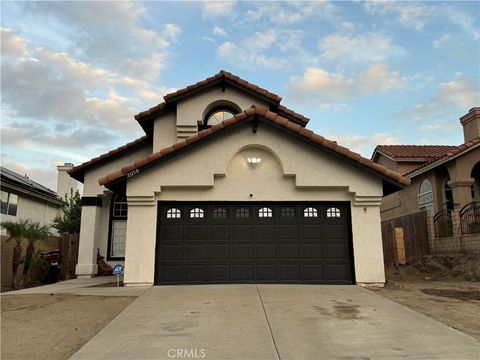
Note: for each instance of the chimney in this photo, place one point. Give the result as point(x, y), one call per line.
point(65, 183)
point(471, 124)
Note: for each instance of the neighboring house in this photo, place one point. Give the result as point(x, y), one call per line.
point(220, 191)
point(442, 177)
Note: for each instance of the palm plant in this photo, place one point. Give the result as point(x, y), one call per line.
point(33, 233)
point(16, 232)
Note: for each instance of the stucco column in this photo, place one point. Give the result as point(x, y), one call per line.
point(87, 250)
point(462, 191)
point(140, 243)
point(367, 242)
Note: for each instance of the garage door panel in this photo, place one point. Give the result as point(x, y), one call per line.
point(195, 232)
point(171, 252)
point(219, 252)
point(289, 251)
point(242, 251)
point(196, 252)
point(241, 232)
point(218, 232)
point(173, 233)
point(266, 272)
point(242, 272)
point(265, 251)
point(335, 251)
point(232, 243)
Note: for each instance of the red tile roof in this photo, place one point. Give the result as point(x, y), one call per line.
point(223, 75)
point(78, 171)
point(398, 152)
point(270, 116)
point(453, 151)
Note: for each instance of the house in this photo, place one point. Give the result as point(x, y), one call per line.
point(445, 182)
point(229, 186)
point(442, 177)
point(23, 198)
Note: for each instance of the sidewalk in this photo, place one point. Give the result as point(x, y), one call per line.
point(91, 286)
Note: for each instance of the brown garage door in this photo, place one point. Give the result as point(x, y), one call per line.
point(267, 242)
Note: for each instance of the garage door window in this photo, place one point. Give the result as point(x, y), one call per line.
point(265, 212)
point(174, 213)
point(219, 213)
point(310, 212)
point(242, 213)
point(333, 213)
point(197, 213)
point(287, 212)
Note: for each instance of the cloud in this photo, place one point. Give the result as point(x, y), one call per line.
point(217, 30)
point(371, 47)
point(12, 44)
point(111, 35)
point(320, 85)
point(218, 8)
point(441, 41)
point(364, 144)
point(409, 14)
point(46, 177)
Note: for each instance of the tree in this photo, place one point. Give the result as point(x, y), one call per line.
point(69, 222)
point(16, 232)
point(33, 233)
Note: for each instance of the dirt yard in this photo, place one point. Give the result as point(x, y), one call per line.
point(446, 288)
point(53, 326)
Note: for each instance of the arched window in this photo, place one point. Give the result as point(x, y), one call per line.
point(425, 196)
point(218, 115)
point(197, 213)
point(333, 213)
point(220, 213)
point(174, 213)
point(287, 212)
point(310, 212)
point(242, 213)
point(265, 212)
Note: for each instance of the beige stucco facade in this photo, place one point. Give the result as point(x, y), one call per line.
point(217, 170)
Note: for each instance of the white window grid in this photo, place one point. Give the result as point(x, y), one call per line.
point(333, 213)
point(197, 213)
point(265, 212)
point(310, 212)
point(174, 213)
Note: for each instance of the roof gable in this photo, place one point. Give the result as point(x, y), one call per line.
point(255, 114)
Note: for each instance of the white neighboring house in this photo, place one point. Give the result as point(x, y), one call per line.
point(23, 198)
point(229, 186)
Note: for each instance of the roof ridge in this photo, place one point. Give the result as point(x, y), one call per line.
point(271, 116)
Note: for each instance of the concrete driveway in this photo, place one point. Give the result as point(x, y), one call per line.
point(273, 322)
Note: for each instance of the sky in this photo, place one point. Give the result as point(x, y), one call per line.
point(73, 74)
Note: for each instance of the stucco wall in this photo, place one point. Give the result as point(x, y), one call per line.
point(34, 209)
point(164, 131)
point(218, 170)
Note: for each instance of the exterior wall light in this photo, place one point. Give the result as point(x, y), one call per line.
point(253, 162)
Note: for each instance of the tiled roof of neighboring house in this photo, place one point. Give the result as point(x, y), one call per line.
point(451, 153)
point(269, 116)
point(223, 75)
point(22, 181)
point(78, 171)
point(398, 152)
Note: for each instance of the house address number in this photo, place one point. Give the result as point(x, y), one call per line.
point(133, 172)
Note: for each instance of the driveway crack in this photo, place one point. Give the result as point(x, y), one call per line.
point(268, 323)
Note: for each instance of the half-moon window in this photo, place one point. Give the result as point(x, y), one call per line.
point(173, 213)
point(218, 116)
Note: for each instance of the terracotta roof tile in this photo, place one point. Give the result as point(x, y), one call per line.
point(261, 111)
point(226, 75)
point(77, 172)
point(414, 151)
point(455, 150)
point(292, 113)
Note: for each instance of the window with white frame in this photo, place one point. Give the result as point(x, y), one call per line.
point(120, 207)
point(333, 213)
point(197, 213)
point(425, 196)
point(265, 212)
point(119, 236)
point(9, 203)
point(310, 212)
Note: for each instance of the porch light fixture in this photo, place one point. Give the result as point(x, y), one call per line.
point(253, 162)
